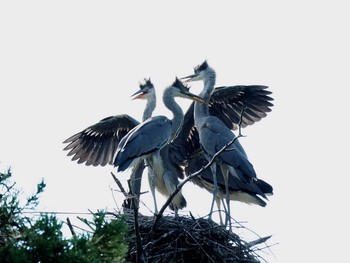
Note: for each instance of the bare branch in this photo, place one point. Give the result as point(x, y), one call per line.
point(71, 227)
point(140, 258)
point(258, 241)
point(119, 185)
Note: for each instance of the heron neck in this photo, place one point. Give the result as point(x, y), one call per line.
point(177, 112)
point(150, 106)
point(201, 109)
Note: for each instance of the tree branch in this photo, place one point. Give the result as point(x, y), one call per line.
point(71, 227)
point(140, 258)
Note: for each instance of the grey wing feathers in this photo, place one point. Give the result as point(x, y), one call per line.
point(226, 103)
point(146, 138)
point(205, 179)
point(187, 142)
point(97, 144)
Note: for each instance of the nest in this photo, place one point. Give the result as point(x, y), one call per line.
point(187, 239)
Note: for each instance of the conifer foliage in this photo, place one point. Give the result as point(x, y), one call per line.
point(25, 237)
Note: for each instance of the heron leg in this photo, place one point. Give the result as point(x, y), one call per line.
point(176, 211)
point(170, 183)
point(218, 204)
point(152, 183)
point(223, 204)
point(225, 173)
point(152, 186)
point(136, 177)
point(215, 190)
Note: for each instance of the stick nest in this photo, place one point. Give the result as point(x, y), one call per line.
point(186, 239)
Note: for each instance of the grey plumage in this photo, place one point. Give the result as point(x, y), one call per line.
point(213, 129)
point(251, 193)
point(97, 145)
point(147, 139)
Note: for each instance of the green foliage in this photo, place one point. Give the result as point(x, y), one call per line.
point(107, 243)
point(44, 241)
point(28, 239)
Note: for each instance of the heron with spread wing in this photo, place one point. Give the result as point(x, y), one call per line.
point(97, 145)
point(209, 128)
point(145, 141)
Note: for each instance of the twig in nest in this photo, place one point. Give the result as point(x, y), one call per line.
point(134, 205)
point(184, 239)
point(258, 241)
point(140, 258)
point(116, 180)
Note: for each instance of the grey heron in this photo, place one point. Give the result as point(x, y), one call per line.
point(97, 145)
point(214, 133)
point(146, 140)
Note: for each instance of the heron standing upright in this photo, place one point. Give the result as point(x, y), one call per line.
point(214, 135)
point(97, 144)
point(148, 138)
point(226, 103)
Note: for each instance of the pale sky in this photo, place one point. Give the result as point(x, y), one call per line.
point(65, 65)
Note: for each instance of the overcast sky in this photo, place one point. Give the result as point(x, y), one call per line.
point(65, 65)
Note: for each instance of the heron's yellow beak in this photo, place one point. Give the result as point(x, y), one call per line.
point(138, 95)
point(196, 98)
point(200, 100)
point(188, 78)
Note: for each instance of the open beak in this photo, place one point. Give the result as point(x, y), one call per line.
point(138, 95)
point(189, 78)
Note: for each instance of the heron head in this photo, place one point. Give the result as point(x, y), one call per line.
point(182, 90)
point(146, 90)
point(199, 72)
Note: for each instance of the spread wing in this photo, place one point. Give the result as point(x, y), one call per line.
point(97, 144)
point(227, 103)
